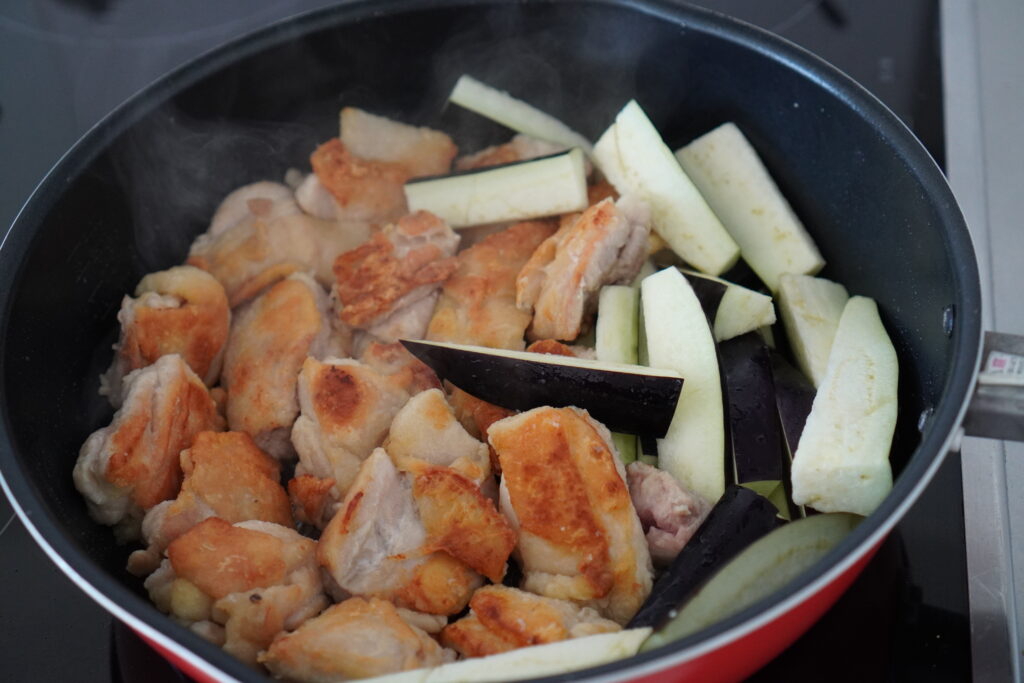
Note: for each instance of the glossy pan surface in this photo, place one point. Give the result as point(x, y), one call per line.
point(130, 197)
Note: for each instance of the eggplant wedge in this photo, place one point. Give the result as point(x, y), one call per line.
point(739, 518)
point(625, 398)
point(757, 455)
point(794, 395)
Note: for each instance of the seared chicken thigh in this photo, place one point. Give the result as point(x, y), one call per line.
point(606, 244)
point(347, 408)
point(478, 302)
point(669, 513)
point(363, 190)
point(422, 151)
point(270, 241)
point(255, 579)
point(392, 277)
point(181, 310)
point(519, 148)
point(270, 339)
point(354, 639)
point(503, 619)
point(376, 546)
point(402, 369)
point(589, 547)
point(226, 476)
point(131, 465)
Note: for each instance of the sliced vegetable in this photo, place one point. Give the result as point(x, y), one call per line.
point(738, 188)
point(546, 186)
point(514, 113)
point(739, 518)
point(757, 457)
point(636, 160)
point(739, 310)
point(709, 291)
point(794, 395)
point(679, 339)
point(626, 398)
point(811, 308)
point(618, 317)
point(842, 463)
point(531, 662)
point(768, 565)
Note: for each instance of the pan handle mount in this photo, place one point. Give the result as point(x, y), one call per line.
point(996, 410)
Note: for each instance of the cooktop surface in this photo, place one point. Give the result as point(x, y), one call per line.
point(66, 63)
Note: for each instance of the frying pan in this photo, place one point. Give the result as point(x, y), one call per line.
point(133, 193)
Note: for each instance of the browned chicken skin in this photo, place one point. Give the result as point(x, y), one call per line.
point(226, 476)
point(421, 151)
point(364, 190)
point(590, 547)
point(270, 340)
point(347, 408)
point(376, 546)
point(477, 304)
point(354, 639)
point(606, 244)
point(182, 310)
point(503, 619)
point(241, 584)
point(131, 465)
point(396, 275)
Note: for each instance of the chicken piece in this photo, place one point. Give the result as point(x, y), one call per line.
point(519, 148)
point(605, 245)
point(601, 190)
point(425, 432)
point(256, 579)
point(478, 302)
point(363, 190)
point(126, 468)
point(354, 639)
point(557, 348)
point(376, 546)
point(347, 408)
point(477, 416)
point(461, 521)
point(422, 151)
point(274, 240)
point(226, 476)
point(182, 310)
point(670, 514)
point(565, 493)
point(401, 265)
point(402, 369)
point(270, 339)
point(236, 207)
point(503, 618)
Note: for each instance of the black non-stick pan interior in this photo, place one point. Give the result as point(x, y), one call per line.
point(130, 198)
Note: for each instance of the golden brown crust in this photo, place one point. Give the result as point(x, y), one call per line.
point(517, 616)
point(309, 496)
point(402, 369)
point(153, 432)
point(470, 638)
point(371, 278)
point(378, 185)
point(196, 330)
point(476, 414)
point(222, 559)
point(440, 585)
point(477, 304)
point(462, 522)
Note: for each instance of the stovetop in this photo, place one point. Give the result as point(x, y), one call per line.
point(65, 63)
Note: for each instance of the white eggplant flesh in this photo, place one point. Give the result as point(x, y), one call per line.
point(635, 159)
point(810, 308)
point(519, 191)
point(731, 177)
point(617, 338)
point(531, 662)
point(680, 339)
point(513, 113)
point(842, 462)
point(740, 310)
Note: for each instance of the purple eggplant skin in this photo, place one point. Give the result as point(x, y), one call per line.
point(709, 293)
point(751, 412)
point(739, 518)
point(794, 395)
point(622, 401)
